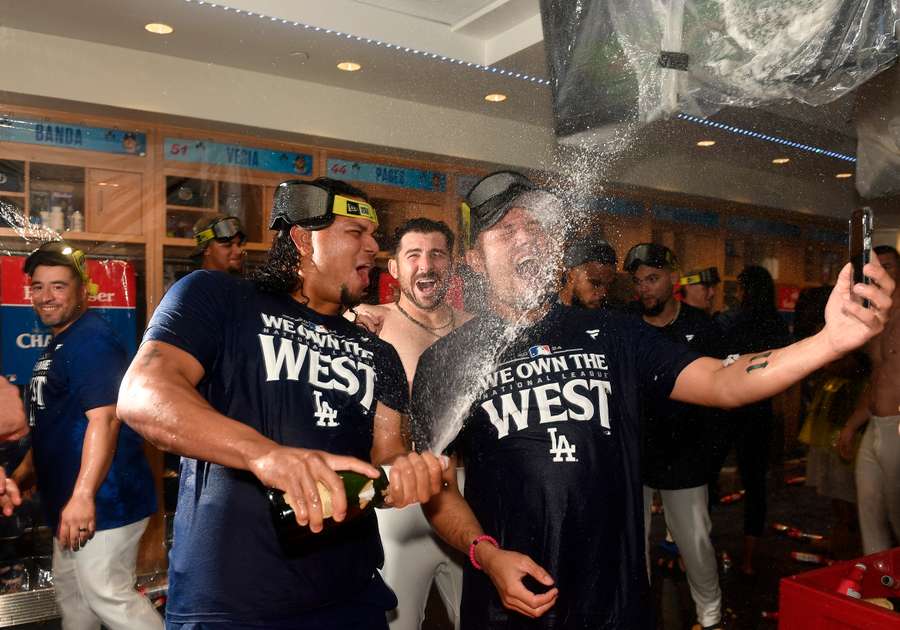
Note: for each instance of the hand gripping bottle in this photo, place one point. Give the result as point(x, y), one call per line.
point(363, 495)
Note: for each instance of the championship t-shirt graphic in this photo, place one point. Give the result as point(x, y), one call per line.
point(550, 444)
point(301, 379)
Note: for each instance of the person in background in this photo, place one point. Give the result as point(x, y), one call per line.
point(590, 270)
point(698, 288)
point(829, 396)
point(97, 492)
point(414, 557)
point(674, 435)
point(219, 244)
point(878, 458)
point(752, 328)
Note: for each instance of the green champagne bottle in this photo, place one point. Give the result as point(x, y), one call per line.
point(363, 495)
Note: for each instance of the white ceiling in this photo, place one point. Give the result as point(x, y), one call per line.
point(472, 31)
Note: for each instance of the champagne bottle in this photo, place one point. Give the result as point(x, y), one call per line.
point(363, 495)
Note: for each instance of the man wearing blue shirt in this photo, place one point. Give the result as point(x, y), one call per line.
point(97, 492)
point(263, 384)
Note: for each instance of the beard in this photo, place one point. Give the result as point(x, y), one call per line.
point(441, 286)
point(348, 300)
point(652, 311)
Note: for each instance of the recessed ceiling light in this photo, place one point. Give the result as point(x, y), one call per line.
point(706, 143)
point(158, 28)
point(495, 98)
point(844, 175)
point(781, 160)
point(349, 66)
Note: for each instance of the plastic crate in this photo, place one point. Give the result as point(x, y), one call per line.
point(809, 602)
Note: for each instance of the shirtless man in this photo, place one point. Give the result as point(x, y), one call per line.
point(413, 554)
point(878, 459)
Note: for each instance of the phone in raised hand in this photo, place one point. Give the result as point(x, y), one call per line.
point(860, 244)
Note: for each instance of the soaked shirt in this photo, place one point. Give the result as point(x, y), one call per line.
point(301, 379)
point(551, 448)
point(80, 370)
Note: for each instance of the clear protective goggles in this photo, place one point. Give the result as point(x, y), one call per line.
point(222, 230)
point(313, 207)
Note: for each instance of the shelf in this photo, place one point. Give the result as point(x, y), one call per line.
point(170, 207)
point(6, 193)
point(171, 241)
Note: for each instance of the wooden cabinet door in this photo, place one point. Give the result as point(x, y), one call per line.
point(114, 202)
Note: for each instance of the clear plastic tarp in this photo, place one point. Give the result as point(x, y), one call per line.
point(621, 62)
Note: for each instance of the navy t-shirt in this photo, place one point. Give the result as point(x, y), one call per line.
point(677, 438)
point(80, 370)
point(551, 450)
point(301, 379)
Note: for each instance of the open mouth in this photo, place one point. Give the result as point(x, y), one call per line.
point(426, 285)
point(363, 272)
point(528, 267)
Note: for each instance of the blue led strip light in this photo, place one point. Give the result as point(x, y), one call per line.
point(762, 136)
point(413, 51)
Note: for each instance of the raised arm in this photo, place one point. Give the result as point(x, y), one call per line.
point(159, 400)
point(761, 375)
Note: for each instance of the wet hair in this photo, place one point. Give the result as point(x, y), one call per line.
point(759, 290)
point(883, 250)
point(809, 313)
point(281, 271)
point(422, 225)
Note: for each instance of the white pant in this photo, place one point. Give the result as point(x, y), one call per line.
point(687, 517)
point(95, 584)
point(414, 557)
point(878, 484)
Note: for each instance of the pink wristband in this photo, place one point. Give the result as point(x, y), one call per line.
point(483, 537)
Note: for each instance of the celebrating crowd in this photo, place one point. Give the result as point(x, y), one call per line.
point(523, 444)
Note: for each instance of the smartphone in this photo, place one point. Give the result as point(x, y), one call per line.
point(860, 244)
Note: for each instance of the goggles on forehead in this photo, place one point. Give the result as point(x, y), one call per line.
point(491, 198)
point(59, 253)
point(707, 276)
point(314, 208)
point(221, 229)
point(650, 254)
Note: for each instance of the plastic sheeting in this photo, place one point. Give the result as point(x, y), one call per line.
point(621, 62)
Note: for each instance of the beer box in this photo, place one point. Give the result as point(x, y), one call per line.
point(809, 601)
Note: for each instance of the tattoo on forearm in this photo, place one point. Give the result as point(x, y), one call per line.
point(149, 356)
point(758, 362)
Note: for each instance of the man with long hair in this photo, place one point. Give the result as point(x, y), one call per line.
point(263, 384)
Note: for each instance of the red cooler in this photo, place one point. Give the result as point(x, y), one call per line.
point(810, 601)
